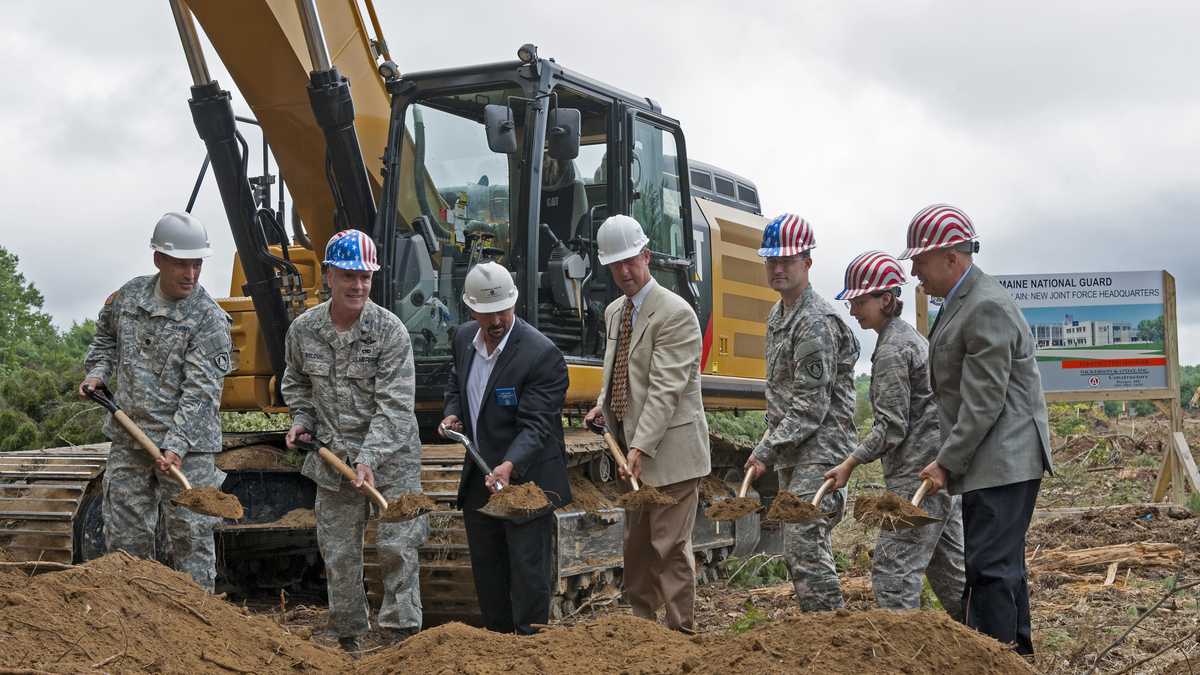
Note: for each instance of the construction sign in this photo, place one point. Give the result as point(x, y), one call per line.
point(1095, 331)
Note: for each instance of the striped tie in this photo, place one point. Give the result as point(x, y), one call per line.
point(619, 389)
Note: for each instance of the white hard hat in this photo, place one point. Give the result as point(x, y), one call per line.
point(180, 235)
point(620, 237)
point(489, 288)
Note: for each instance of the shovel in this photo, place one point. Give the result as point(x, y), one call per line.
point(732, 509)
point(642, 496)
point(890, 512)
point(394, 512)
point(788, 508)
point(509, 502)
point(206, 501)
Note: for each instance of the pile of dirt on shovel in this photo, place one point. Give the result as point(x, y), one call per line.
point(522, 498)
point(210, 501)
point(878, 641)
point(122, 614)
point(887, 508)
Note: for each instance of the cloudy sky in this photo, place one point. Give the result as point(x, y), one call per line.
point(1070, 136)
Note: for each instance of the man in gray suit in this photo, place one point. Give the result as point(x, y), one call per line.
point(995, 433)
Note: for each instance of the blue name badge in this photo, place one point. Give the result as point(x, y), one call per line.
point(506, 396)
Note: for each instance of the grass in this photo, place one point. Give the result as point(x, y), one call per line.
point(756, 571)
point(751, 618)
point(743, 427)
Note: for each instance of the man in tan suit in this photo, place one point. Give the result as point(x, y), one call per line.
point(650, 400)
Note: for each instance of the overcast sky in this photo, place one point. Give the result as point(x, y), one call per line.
point(1069, 135)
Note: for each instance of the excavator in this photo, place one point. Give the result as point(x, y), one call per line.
point(517, 161)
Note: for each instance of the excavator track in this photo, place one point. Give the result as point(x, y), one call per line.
point(49, 502)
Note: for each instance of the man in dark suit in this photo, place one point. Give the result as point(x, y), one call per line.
point(506, 391)
point(995, 433)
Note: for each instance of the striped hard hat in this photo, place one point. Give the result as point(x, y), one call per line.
point(871, 272)
point(788, 234)
point(938, 226)
point(351, 250)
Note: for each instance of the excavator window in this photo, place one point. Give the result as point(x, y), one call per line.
point(462, 187)
point(657, 200)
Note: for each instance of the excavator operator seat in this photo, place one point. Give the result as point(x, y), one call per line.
point(564, 204)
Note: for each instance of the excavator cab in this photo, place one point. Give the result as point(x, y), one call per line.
point(526, 160)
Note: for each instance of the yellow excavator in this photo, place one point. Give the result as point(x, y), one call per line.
point(517, 161)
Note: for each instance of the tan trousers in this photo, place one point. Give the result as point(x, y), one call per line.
point(660, 568)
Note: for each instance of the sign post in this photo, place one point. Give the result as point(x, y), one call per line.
point(1107, 336)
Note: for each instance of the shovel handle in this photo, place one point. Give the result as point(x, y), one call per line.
point(829, 482)
point(925, 485)
point(745, 484)
point(619, 457)
point(344, 469)
point(147, 444)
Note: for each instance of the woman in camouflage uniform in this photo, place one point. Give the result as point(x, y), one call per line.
point(905, 437)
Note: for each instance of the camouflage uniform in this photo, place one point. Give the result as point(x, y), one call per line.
point(354, 391)
point(906, 438)
point(810, 428)
point(166, 363)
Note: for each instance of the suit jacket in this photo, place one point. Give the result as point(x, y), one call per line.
point(665, 418)
point(989, 392)
point(529, 433)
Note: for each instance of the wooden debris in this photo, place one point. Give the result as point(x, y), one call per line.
point(1128, 555)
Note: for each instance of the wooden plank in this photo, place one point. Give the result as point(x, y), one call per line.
point(1184, 454)
point(1163, 482)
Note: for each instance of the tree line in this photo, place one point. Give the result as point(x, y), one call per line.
point(40, 366)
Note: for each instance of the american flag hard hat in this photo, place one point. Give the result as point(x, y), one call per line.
point(351, 250)
point(938, 226)
point(871, 272)
point(788, 234)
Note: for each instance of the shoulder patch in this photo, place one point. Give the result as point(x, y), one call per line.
point(221, 361)
point(111, 297)
point(815, 369)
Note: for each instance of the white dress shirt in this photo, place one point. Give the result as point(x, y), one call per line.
point(640, 297)
point(477, 378)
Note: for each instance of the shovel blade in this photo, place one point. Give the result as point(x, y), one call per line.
point(515, 515)
point(908, 523)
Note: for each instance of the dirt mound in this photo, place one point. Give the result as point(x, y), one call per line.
point(1120, 525)
point(786, 507)
point(644, 498)
point(586, 497)
point(829, 642)
point(210, 501)
point(263, 457)
point(523, 498)
point(887, 510)
point(732, 508)
point(713, 490)
point(297, 518)
point(122, 614)
point(408, 506)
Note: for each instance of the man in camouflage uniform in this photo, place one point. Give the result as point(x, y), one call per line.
point(905, 436)
point(810, 405)
point(350, 382)
point(162, 344)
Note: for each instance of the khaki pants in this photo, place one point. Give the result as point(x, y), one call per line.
point(659, 566)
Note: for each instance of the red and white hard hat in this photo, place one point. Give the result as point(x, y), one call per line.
point(787, 235)
point(938, 226)
point(871, 272)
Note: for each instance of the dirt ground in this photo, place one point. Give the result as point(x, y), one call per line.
point(118, 614)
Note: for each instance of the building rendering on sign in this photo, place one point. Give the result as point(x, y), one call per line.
point(1073, 333)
